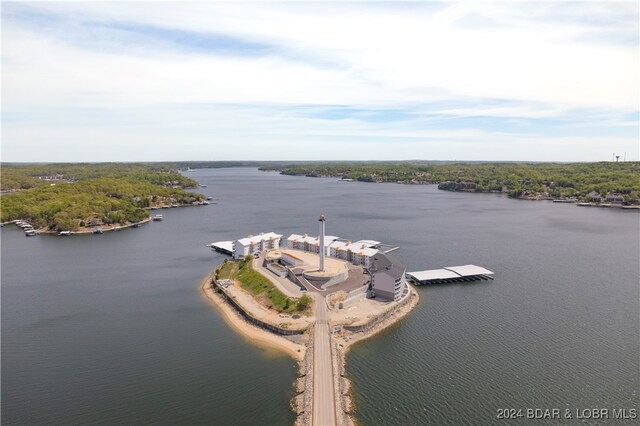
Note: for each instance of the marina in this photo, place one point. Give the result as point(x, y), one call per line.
point(450, 274)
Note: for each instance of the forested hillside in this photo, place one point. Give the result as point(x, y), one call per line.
point(69, 197)
point(519, 180)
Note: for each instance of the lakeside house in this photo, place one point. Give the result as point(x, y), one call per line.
point(615, 198)
point(594, 196)
point(387, 277)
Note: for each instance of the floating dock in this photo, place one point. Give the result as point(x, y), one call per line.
point(225, 247)
point(450, 274)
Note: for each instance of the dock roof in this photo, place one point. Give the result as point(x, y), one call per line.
point(450, 273)
point(222, 245)
point(434, 274)
point(468, 270)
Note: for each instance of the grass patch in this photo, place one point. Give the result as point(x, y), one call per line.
point(260, 287)
point(227, 271)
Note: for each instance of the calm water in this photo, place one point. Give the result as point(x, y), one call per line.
point(113, 329)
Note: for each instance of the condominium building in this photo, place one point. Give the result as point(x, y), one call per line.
point(308, 243)
point(358, 253)
point(387, 277)
point(257, 243)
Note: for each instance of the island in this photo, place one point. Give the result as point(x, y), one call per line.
point(312, 297)
point(90, 198)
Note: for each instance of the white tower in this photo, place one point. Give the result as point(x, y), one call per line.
point(322, 248)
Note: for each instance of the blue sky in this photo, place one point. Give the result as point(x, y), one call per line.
point(146, 81)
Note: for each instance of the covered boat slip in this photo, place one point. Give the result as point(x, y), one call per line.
point(225, 247)
point(450, 274)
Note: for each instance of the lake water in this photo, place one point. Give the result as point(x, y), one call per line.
point(113, 329)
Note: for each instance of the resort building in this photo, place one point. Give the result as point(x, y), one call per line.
point(307, 243)
point(358, 253)
point(338, 249)
point(257, 243)
point(387, 277)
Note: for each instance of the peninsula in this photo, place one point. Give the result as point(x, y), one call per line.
point(85, 198)
point(312, 298)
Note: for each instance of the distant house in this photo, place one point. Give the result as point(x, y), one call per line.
point(614, 198)
point(594, 196)
point(387, 276)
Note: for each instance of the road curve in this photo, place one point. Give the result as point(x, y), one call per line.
point(324, 408)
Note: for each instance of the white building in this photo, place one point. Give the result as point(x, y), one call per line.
point(358, 253)
point(338, 249)
point(257, 243)
point(307, 243)
point(387, 276)
point(363, 256)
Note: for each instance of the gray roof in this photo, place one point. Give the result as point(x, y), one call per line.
point(382, 262)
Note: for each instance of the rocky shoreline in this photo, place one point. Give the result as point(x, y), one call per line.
point(302, 402)
point(344, 397)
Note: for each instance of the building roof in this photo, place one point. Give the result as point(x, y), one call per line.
point(450, 272)
point(338, 244)
point(367, 251)
point(369, 243)
point(223, 245)
point(434, 274)
point(328, 239)
point(385, 263)
point(468, 270)
point(253, 239)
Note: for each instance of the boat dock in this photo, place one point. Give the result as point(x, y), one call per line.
point(225, 247)
point(450, 274)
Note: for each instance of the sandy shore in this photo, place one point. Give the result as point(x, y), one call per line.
point(253, 334)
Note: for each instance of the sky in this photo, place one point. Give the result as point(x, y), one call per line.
point(161, 81)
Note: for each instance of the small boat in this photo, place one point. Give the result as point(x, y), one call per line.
point(205, 203)
point(135, 225)
point(584, 204)
point(209, 198)
point(175, 205)
point(165, 207)
point(64, 233)
point(30, 233)
point(158, 218)
point(97, 231)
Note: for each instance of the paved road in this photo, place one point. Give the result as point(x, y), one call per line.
point(324, 409)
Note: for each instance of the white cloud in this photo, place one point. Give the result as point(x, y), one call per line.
point(534, 58)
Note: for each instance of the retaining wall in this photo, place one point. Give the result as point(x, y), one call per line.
point(255, 321)
point(379, 318)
